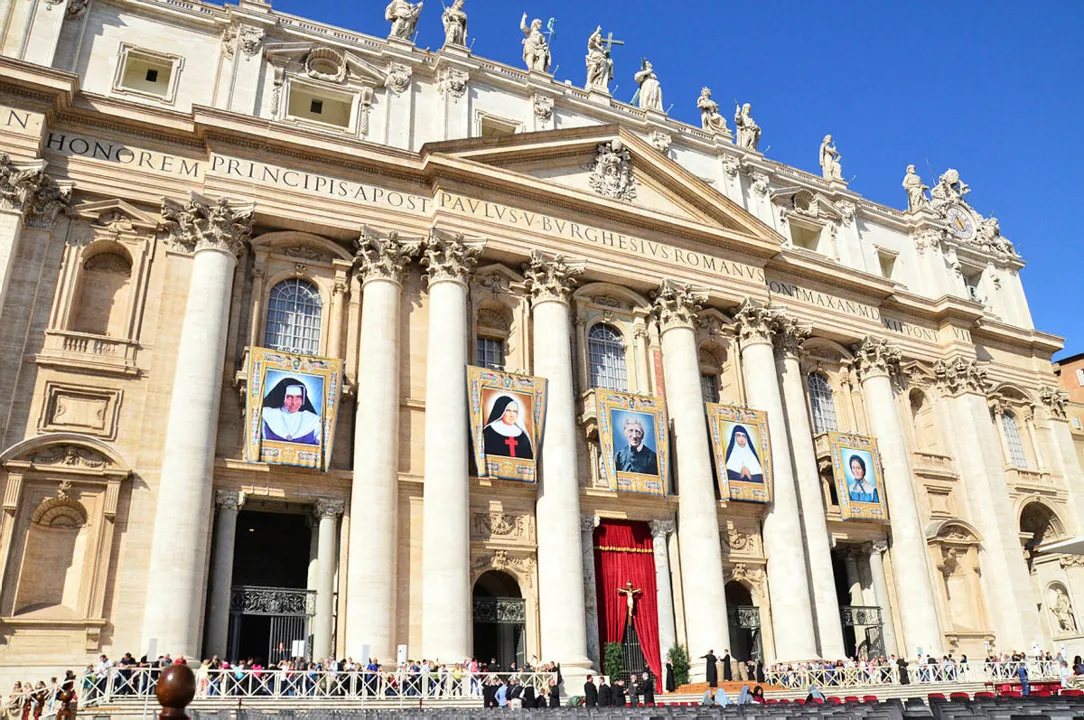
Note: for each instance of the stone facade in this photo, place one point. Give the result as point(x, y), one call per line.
point(168, 164)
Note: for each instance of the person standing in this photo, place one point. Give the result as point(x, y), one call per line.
point(590, 693)
point(1022, 674)
point(605, 694)
point(647, 689)
point(711, 670)
point(670, 683)
point(728, 674)
point(634, 691)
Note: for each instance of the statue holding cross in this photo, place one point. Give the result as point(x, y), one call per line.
point(630, 594)
point(600, 64)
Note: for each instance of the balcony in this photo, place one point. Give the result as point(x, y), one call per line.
point(89, 353)
point(933, 465)
point(1027, 479)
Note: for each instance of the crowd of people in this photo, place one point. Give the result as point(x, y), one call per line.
point(29, 700)
point(640, 690)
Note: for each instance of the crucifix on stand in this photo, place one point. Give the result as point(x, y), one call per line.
point(630, 594)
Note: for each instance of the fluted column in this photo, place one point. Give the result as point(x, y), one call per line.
point(676, 306)
point(446, 588)
point(214, 232)
point(227, 502)
point(588, 523)
point(327, 514)
point(963, 385)
point(880, 590)
point(788, 337)
point(665, 596)
point(27, 196)
point(913, 587)
point(557, 509)
point(374, 538)
point(788, 584)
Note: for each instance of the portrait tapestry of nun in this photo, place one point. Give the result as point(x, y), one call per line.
point(288, 414)
point(742, 461)
point(504, 434)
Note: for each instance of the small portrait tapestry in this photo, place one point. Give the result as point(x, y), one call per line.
point(292, 402)
point(633, 433)
point(743, 452)
point(508, 413)
point(856, 468)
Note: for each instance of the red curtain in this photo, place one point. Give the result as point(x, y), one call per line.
point(624, 553)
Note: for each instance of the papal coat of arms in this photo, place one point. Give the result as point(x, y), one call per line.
point(611, 172)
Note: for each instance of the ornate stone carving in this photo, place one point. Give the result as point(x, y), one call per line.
point(306, 253)
point(588, 523)
point(76, 8)
point(916, 190)
point(677, 304)
point(611, 172)
point(24, 187)
point(71, 456)
point(197, 225)
point(880, 547)
point(731, 166)
point(1068, 561)
point(874, 356)
point(961, 375)
point(403, 17)
point(62, 511)
point(328, 508)
point(660, 528)
point(829, 158)
point(1056, 401)
point(736, 541)
point(454, 20)
point(249, 38)
point(536, 49)
point(543, 107)
point(229, 499)
point(742, 572)
point(748, 130)
point(502, 561)
point(397, 78)
point(453, 81)
point(950, 189)
point(600, 66)
point(494, 525)
point(229, 40)
point(383, 258)
point(759, 181)
point(660, 141)
point(847, 210)
point(326, 64)
point(927, 238)
point(1061, 608)
point(710, 119)
point(551, 280)
point(448, 256)
point(755, 322)
point(789, 335)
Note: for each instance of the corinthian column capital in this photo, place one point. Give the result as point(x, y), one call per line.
point(789, 335)
point(450, 257)
point(551, 280)
point(756, 322)
point(677, 304)
point(383, 258)
point(328, 508)
point(1056, 402)
point(960, 375)
point(25, 188)
point(660, 528)
point(199, 224)
point(589, 522)
point(229, 499)
point(875, 357)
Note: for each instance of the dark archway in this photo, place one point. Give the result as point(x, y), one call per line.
point(500, 621)
point(743, 621)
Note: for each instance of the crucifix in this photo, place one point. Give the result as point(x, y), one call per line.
point(609, 42)
point(630, 594)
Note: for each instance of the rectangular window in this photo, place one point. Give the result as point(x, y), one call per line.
point(709, 387)
point(148, 73)
point(490, 353)
point(316, 107)
point(974, 287)
point(1080, 377)
point(319, 105)
point(888, 263)
point(805, 237)
point(493, 126)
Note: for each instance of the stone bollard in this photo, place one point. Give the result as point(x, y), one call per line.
point(176, 688)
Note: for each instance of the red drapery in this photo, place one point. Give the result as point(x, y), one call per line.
point(624, 553)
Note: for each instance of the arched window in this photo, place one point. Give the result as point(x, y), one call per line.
point(606, 357)
point(293, 318)
point(822, 403)
point(1017, 456)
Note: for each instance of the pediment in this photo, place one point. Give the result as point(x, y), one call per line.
point(324, 63)
point(566, 160)
point(116, 213)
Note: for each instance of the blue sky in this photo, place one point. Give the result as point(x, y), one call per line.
point(990, 88)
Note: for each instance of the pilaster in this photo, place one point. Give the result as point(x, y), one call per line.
point(327, 512)
point(660, 530)
point(588, 523)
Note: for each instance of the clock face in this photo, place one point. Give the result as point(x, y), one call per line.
point(960, 223)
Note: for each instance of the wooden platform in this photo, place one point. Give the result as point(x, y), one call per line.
point(732, 687)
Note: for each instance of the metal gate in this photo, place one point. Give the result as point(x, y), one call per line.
point(505, 611)
point(632, 653)
point(746, 619)
point(290, 612)
point(866, 622)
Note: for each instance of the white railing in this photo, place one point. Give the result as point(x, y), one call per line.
point(280, 684)
point(857, 676)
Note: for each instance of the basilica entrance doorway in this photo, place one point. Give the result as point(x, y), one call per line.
point(271, 608)
point(743, 622)
point(500, 615)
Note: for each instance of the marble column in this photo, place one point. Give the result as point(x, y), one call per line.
point(665, 596)
point(963, 384)
point(788, 338)
point(446, 580)
point(228, 503)
point(676, 306)
point(374, 496)
point(914, 591)
point(214, 232)
point(880, 590)
point(557, 509)
point(854, 583)
point(788, 583)
point(327, 514)
point(314, 551)
point(588, 523)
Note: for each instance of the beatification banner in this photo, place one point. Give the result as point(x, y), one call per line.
point(743, 452)
point(507, 414)
point(856, 467)
point(291, 405)
point(633, 434)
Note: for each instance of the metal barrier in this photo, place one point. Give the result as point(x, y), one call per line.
point(121, 684)
point(869, 675)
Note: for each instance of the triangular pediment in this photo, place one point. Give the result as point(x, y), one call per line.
point(565, 160)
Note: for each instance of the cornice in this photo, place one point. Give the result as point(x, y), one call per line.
point(1034, 340)
point(821, 269)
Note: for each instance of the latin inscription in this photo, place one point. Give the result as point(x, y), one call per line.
point(121, 154)
point(567, 229)
point(813, 297)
